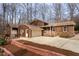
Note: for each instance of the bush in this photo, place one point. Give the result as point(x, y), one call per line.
point(65, 34)
point(2, 41)
point(77, 27)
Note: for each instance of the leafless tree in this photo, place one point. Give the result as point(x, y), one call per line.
point(57, 8)
point(72, 9)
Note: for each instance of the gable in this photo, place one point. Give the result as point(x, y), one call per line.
point(38, 23)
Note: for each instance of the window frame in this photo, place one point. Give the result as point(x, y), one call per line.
point(53, 28)
point(65, 28)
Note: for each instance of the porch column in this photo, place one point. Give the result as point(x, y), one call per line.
point(24, 32)
point(50, 30)
point(18, 32)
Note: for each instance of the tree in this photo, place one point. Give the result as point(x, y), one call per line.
point(35, 10)
point(71, 8)
point(57, 8)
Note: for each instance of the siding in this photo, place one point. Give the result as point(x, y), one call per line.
point(36, 33)
point(59, 31)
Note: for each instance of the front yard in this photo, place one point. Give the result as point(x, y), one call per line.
point(63, 46)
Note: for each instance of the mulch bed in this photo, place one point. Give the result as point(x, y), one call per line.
point(55, 49)
point(17, 51)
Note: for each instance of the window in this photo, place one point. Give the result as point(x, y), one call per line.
point(53, 28)
point(64, 28)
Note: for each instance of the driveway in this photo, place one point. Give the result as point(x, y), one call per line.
point(64, 43)
point(76, 37)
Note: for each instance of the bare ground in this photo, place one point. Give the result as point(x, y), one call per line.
point(17, 51)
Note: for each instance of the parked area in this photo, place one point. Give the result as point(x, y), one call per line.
point(63, 43)
point(56, 51)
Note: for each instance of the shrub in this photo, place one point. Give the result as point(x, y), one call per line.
point(1, 52)
point(77, 27)
point(2, 41)
point(64, 34)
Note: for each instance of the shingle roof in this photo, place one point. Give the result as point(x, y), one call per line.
point(39, 20)
point(61, 23)
point(32, 27)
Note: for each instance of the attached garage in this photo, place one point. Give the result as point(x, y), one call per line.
point(29, 31)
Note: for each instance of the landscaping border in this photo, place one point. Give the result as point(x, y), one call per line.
point(36, 50)
point(6, 52)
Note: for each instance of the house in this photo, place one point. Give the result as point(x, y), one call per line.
point(40, 28)
point(64, 29)
point(25, 30)
point(37, 22)
point(11, 30)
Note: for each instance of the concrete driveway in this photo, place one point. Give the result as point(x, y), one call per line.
point(64, 43)
point(76, 37)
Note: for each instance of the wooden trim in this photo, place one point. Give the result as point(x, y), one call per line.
point(29, 33)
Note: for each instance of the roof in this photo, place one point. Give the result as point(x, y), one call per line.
point(39, 21)
point(13, 25)
point(61, 23)
point(32, 27)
